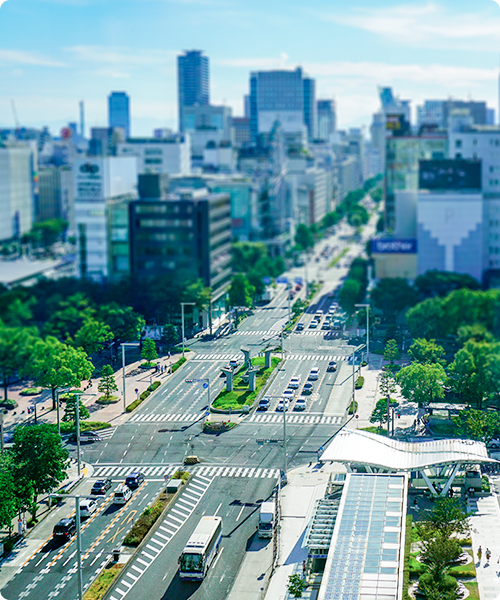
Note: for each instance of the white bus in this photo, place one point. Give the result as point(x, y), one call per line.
point(201, 549)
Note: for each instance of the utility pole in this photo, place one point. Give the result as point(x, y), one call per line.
point(132, 345)
point(367, 308)
point(183, 304)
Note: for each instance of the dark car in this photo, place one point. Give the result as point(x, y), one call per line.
point(100, 487)
point(300, 327)
point(65, 529)
point(134, 480)
point(332, 366)
point(263, 404)
point(308, 388)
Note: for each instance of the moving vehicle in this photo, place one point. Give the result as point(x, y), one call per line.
point(326, 325)
point(100, 487)
point(300, 404)
point(122, 494)
point(294, 383)
point(337, 324)
point(201, 549)
point(288, 393)
point(268, 295)
point(267, 519)
point(65, 529)
point(313, 324)
point(282, 405)
point(313, 374)
point(300, 327)
point(263, 403)
point(87, 508)
point(233, 363)
point(332, 366)
point(134, 480)
point(308, 388)
point(87, 437)
point(319, 314)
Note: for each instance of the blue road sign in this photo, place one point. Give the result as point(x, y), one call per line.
point(266, 280)
point(282, 280)
point(205, 385)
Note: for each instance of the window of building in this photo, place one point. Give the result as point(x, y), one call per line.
point(458, 143)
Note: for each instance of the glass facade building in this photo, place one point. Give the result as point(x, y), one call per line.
point(119, 111)
point(193, 82)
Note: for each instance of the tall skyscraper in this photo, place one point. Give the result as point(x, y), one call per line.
point(193, 81)
point(284, 96)
point(119, 111)
point(326, 118)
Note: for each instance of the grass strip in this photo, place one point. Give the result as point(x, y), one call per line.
point(145, 394)
point(338, 258)
point(150, 515)
point(100, 586)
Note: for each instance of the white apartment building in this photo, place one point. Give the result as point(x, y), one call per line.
point(166, 155)
point(17, 199)
point(103, 188)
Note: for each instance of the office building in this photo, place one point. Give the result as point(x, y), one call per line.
point(119, 111)
point(193, 82)
point(185, 234)
point(326, 118)
point(286, 97)
point(103, 186)
point(208, 117)
point(437, 112)
point(49, 204)
point(241, 132)
point(104, 140)
point(17, 190)
point(162, 155)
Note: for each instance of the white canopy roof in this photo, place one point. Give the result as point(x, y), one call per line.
point(361, 447)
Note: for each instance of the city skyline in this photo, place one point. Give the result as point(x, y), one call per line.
point(55, 53)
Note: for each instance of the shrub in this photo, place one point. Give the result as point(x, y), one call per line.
point(145, 394)
point(33, 391)
point(355, 407)
point(181, 474)
point(359, 382)
point(429, 585)
point(178, 364)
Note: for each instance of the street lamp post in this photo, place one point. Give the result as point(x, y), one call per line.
point(354, 350)
point(367, 307)
point(183, 304)
point(285, 458)
point(131, 345)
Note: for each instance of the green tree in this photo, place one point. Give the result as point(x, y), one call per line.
point(8, 499)
point(49, 232)
point(475, 332)
point(447, 518)
point(475, 371)
point(427, 319)
point(350, 294)
point(54, 365)
point(107, 384)
point(15, 345)
point(303, 237)
point(70, 412)
point(392, 296)
point(426, 352)
point(387, 386)
point(92, 336)
point(241, 292)
point(391, 351)
point(477, 424)
point(441, 283)
point(421, 383)
point(437, 555)
point(68, 316)
point(379, 414)
point(296, 585)
point(125, 324)
point(148, 352)
point(40, 461)
point(170, 335)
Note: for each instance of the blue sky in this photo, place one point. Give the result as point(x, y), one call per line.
point(54, 53)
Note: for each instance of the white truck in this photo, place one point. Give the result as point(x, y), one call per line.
point(267, 519)
point(269, 294)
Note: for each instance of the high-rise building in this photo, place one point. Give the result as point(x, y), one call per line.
point(326, 118)
point(286, 97)
point(438, 112)
point(193, 81)
point(163, 155)
point(119, 111)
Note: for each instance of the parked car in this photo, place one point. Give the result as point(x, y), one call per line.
point(313, 374)
point(87, 508)
point(65, 529)
point(300, 404)
point(134, 480)
point(294, 383)
point(122, 494)
point(332, 366)
point(308, 388)
point(264, 404)
point(100, 487)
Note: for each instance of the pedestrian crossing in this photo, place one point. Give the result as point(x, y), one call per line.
point(275, 332)
point(106, 434)
point(239, 356)
point(299, 419)
point(166, 418)
point(162, 471)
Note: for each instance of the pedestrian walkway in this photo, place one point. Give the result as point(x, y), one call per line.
point(158, 472)
point(224, 357)
point(306, 418)
point(276, 332)
point(485, 532)
point(166, 418)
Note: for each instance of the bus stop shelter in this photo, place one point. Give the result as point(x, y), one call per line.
point(378, 454)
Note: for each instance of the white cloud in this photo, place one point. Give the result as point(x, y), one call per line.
point(429, 24)
point(18, 57)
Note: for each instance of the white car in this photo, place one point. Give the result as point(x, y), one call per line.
point(300, 404)
point(282, 404)
point(313, 374)
point(122, 494)
point(288, 393)
point(87, 508)
point(294, 383)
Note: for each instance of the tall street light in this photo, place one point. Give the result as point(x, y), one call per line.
point(367, 307)
point(183, 304)
point(354, 351)
point(124, 345)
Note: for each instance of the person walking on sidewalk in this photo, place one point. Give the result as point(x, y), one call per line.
point(488, 555)
point(479, 554)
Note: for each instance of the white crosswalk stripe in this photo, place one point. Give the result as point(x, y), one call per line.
point(327, 357)
point(200, 473)
point(156, 418)
point(106, 434)
point(277, 333)
point(296, 419)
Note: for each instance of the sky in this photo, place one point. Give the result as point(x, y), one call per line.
point(54, 53)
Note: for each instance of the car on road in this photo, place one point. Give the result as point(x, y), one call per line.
point(300, 327)
point(233, 364)
point(87, 437)
point(337, 324)
point(65, 529)
point(294, 383)
point(319, 313)
point(87, 508)
point(313, 324)
point(264, 403)
point(100, 487)
point(122, 494)
point(313, 374)
point(493, 444)
point(134, 480)
point(282, 405)
point(288, 393)
point(308, 388)
point(300, 404)
point(326, 325)
point(332, 366)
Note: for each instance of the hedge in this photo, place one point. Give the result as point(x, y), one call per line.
point(145, 394)
point(360, 381)
point(178, 364)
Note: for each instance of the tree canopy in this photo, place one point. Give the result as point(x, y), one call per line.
point(479, 425)
point(426, 352)
point(392, 296)
point(15, 345)
point(422, 383)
